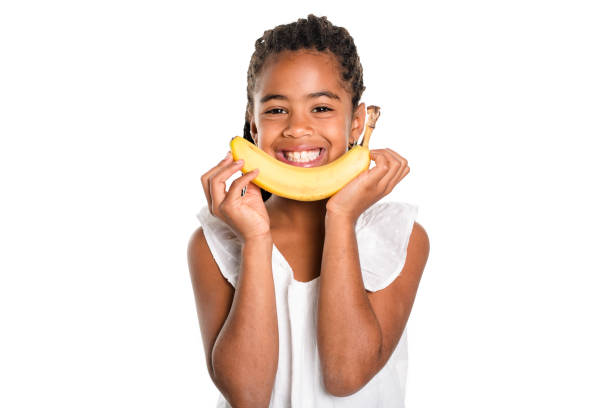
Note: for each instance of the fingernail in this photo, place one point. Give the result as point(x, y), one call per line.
point(228, 154)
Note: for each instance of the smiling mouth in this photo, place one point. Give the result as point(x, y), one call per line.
point(307, 158)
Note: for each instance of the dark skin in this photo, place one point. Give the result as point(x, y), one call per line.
point(317, 238)
point(298, 227)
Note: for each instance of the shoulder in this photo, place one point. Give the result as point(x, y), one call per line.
point(419, 241)
point(384, 233)
point(202, 264)
point(416, 257)
point(402, 289)
point(197, 247)
point(387, 213)
point(222, 245)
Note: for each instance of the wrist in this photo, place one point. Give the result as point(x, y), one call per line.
point(265, 238)
point(332, 217)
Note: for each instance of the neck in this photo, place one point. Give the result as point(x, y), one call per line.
point(296, 215)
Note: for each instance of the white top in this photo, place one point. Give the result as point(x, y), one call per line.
point(382, 233)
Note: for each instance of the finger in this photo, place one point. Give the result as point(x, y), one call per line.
point(386, 182)
point(382, 163)
point(235, 190)
point(403, 173)
point(216, 183)
point(385, 168)
point(405, 168)
point(400, 173)
point(403, 162)
point(204, 178)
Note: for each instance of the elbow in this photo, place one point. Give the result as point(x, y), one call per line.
point(238, 396)
point(342, 379)
point(343, 384)
point(340, 390)
point(241, 388)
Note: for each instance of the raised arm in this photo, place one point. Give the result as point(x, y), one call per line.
point(239, 327)
point(358, 330)
point(348, 333)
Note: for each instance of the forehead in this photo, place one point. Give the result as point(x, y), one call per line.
point(301, 72)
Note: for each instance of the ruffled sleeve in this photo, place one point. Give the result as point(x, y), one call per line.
point(382, 232)
point(223, 243)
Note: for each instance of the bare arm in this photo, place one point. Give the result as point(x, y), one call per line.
point(348, 333)
point(242, 343)
point(245, 355)
point(358, 330)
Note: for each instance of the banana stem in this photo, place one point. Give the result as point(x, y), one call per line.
point(366, 137)
point(373, 114)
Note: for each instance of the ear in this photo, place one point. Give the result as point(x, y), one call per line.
point(357, 123)
point(254, 134)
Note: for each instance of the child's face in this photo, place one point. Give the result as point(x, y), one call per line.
point(288, 116)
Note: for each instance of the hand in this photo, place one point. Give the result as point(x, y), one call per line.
point(369, 186)
point(246, 215)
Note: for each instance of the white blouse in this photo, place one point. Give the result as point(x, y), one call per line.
point(382, 233)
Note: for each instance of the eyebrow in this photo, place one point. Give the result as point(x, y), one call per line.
point(318, 94)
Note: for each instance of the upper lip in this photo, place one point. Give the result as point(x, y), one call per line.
point(300, 148)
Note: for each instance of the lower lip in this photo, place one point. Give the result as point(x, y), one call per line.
point(316, 162)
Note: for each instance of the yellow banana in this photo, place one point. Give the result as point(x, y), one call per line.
point(305, 183)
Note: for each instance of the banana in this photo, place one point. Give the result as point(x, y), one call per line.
point(300, 183)
point(305, 183)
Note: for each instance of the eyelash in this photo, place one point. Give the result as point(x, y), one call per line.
point(318, 107)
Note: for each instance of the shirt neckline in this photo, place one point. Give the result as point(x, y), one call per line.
point(311, 282)
point(293, 280)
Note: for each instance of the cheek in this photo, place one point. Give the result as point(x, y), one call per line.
point(267, 131)
point(338, 127)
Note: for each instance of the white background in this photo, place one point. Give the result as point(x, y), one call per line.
point(111, 111)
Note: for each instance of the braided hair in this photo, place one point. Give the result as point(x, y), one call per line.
point(314, 33)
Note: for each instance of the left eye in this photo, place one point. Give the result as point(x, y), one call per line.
point(325, 108)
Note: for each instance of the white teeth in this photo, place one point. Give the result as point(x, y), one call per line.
point(304, 156)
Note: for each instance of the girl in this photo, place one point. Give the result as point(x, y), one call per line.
point(305, 304)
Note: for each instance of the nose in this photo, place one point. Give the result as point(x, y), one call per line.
point(298, 125)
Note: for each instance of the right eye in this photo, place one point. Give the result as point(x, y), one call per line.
point(274, 111)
